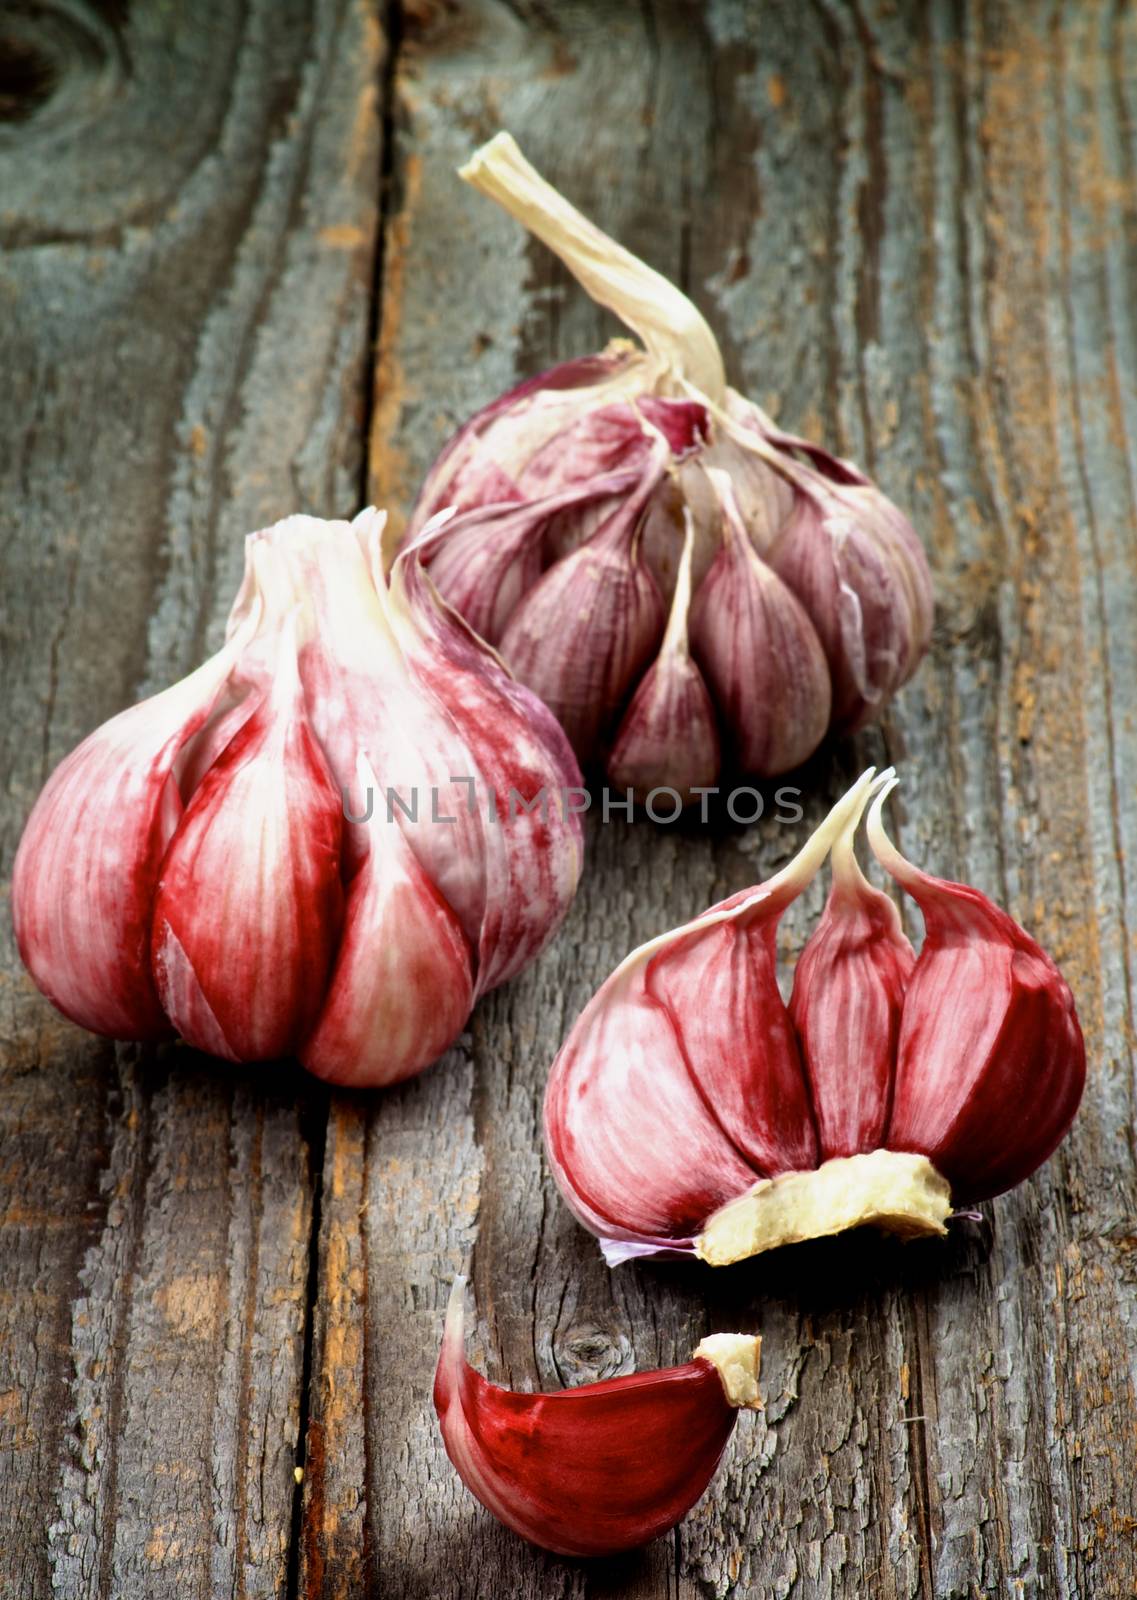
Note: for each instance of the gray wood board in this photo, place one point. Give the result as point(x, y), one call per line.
point(914, 230)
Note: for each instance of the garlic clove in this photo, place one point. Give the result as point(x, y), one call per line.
point(760, 652)
point(601, 1468)
point(249, 900)
point(87, 863)
point(692, 1026)
point(485, 578)
point(583, 634)
point(668, 737)
point(855, 581)
point(991, 1062)
point(853, 559)
point(402, 985)
point(848, 993)
point(364, 698)
point(634, 1147)
point(532, 844)
point(484, 560)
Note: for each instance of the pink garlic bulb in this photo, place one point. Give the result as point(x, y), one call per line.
point(327, 841)
point(692, 1112)
point(806, 599)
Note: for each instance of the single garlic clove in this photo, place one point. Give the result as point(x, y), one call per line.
point(668, 737)
point(855, 582)
point(991, 1062)
point(249, 900)
point(848, 992)
point(582, 635)
point(691, 1026)
point(363, 698)
point(760, 652)
point(402, 985)
point(85, 871)
point(485, 578)
point(601, 1468)
point(532, 842)
point(485, 559)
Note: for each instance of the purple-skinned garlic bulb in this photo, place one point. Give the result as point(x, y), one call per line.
point(613, 492)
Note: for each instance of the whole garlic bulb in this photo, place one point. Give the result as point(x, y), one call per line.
point(668, 570)
point(324, 842)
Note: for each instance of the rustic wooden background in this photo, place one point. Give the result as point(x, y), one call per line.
point(241, 279)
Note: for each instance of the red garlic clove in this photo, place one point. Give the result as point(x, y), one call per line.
point(668, 737)
point(848, 994)
point(249, 901)
point(532, 844)
point(601, 1468)
point(583, 634)
point(760, 652)
point(892, 1089)
point(402, 985)
point(990, 1062)
point(87, 865)
point(491, 556)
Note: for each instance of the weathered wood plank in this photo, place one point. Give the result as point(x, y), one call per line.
point(914, 229)
point(189, 210)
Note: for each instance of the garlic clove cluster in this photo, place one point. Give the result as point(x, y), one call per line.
point(324, 842)
point(808, 598)
point(601, 1468)
point(892, 1088)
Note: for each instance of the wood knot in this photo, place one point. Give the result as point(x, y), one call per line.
point(587, 1353)
point(59, 62)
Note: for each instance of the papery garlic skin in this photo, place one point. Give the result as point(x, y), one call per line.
point(690, 1112)
point(318, 843)
point(601, 1468)
point(810, 597)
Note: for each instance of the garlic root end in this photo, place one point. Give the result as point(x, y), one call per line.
point(893, 1190)
point(737, 1357)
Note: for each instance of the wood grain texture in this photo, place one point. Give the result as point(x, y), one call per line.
point(189, 209)
point(915, 230)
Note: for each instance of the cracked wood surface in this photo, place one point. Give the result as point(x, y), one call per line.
point(914, 229)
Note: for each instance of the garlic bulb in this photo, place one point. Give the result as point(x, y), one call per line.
point(677, 578)
point(324, 842)
point(601, 1468)
point(892, 1088)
